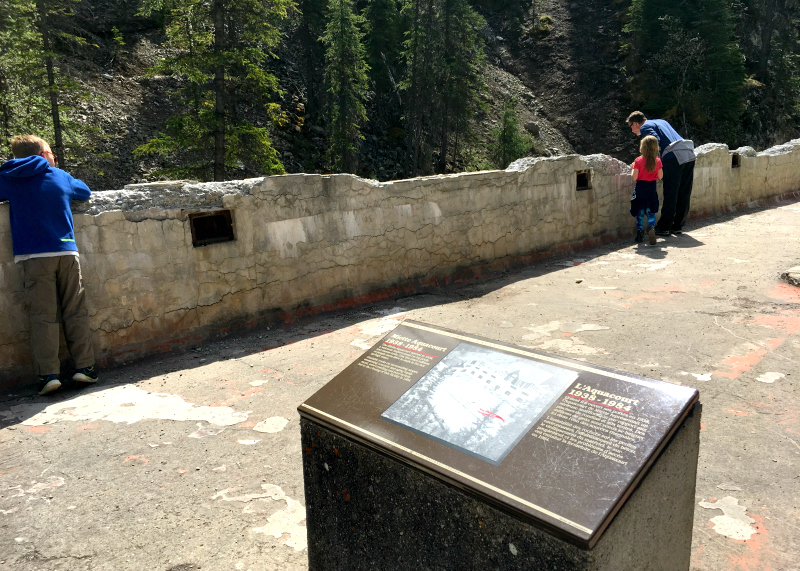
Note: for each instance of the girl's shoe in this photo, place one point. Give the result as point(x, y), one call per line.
point(651, 233)
point(639, 236)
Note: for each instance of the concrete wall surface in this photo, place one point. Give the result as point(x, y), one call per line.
point(306, 243)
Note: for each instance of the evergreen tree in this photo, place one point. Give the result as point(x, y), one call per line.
point(345, 83)
point(685, 65)
point(33, 84)
point(460, 77)
point(23, 108)
point(419, 48)
point(444, 65)
point(312, 28)
point(383, 37)
point(769, 40)
point(222, 47)
point(509, 143)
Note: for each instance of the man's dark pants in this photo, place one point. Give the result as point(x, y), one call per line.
point(677, 193)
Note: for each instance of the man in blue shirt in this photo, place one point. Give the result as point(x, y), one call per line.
point(677, 156)
point(42, 233)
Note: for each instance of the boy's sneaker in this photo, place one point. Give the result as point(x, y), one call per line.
point(639, 236)
point(651, 233)
point(85, 375)
point(48, 383)
point(662, 233)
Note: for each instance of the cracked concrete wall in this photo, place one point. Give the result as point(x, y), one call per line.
point(311, 242)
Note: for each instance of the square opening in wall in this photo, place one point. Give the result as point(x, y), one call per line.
point(736, 160)
point(584, 180)
point(211, 228)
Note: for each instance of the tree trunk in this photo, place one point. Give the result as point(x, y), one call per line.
point(219, 90)
point(5, 112)
point(767, 30)
point(44, 29)
point(445, 88)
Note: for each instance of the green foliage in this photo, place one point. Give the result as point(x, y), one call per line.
point(383, 40)
point(25, 88)
point(345, 83)
point(221, 50)
point(312, 28)
point(509, 143)
point(544, 25)
point(444, 58)
point(769, 41)
point(685, 65)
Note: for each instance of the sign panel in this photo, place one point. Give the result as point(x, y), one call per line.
point(557, 442)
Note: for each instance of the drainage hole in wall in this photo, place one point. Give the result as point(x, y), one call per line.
point(584, 180)
point(211, 227)
point(736, 160)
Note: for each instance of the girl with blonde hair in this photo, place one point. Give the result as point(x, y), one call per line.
point(646, 170)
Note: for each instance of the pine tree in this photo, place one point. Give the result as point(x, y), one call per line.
point(685, 65)
point(509, 142)
point(460, 78)
point(345, 83)
point(312, 28)
point(35, 88)
point(23, 108)
point(382, 41)
point(222, 48)
point(419, 48)
point(769, 40)
point(444, 65)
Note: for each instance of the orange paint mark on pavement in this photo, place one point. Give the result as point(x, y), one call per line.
point(3, 472)
point(775, 343)
point(237, 396)
point(785, 292)
point(697, 557)
point(38, 429)
point(141, 459)
point(753, 558)
point(247, 424)
point(90, 426)
point(741, 364)
point(702, 426)
point(676, 288)
point(788, 322)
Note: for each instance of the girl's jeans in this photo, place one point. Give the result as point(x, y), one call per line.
point(651, 219)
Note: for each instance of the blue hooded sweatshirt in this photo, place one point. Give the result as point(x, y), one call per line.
point(39, 196)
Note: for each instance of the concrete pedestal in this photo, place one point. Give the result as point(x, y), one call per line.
point(367, 510)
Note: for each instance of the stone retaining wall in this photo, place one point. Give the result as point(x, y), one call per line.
point(307, 243)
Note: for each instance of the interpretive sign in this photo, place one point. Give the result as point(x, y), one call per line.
point(558, 442)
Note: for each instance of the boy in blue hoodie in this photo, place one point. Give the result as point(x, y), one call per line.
point(44, 244)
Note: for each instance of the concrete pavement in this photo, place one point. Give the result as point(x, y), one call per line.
point(193, 461)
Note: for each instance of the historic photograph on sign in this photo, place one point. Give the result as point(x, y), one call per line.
point(479, 400)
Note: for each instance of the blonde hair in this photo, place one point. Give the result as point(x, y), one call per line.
point(27, 145)
point(649, 150)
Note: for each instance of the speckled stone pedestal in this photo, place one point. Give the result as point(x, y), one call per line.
point(369, 511)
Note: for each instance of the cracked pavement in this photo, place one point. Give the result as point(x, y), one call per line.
point(192, 460)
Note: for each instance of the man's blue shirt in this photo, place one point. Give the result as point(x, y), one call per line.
point(662, 131)
point(39, 196)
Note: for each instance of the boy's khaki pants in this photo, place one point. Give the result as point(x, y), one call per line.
point(52, 284)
